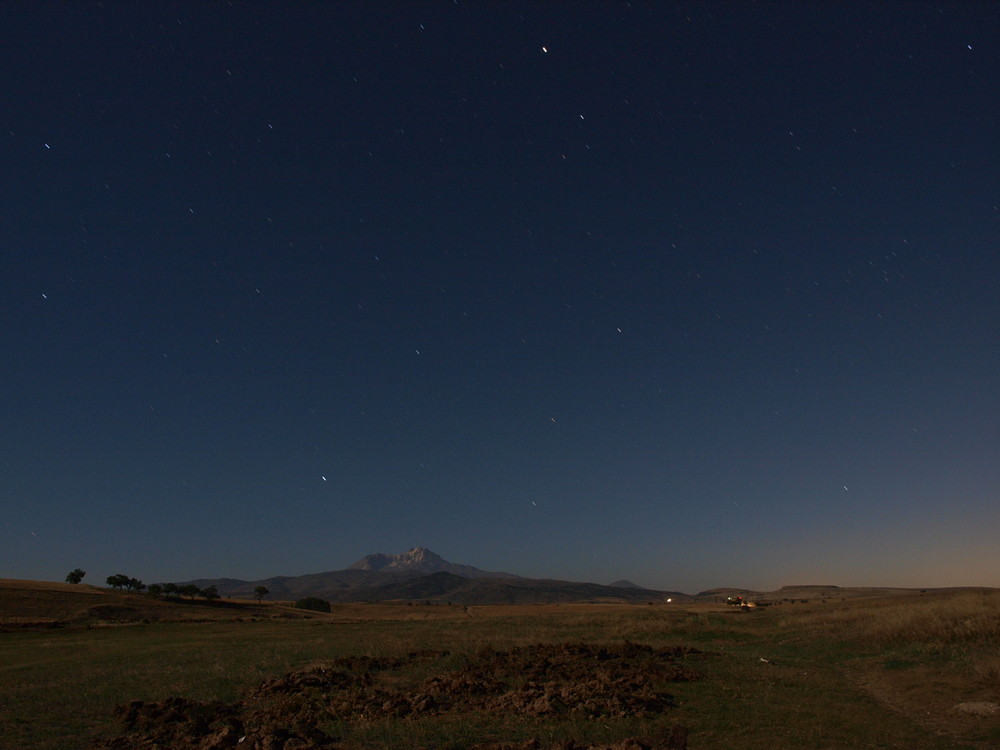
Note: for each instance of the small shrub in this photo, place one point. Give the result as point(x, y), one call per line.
point(313, 603)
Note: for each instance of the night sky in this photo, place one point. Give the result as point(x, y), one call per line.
point(694, 294)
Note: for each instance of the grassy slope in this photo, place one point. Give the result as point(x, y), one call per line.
point(862, 673)
point(39, 603)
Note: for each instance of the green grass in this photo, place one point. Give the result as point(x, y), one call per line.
point(785, 677)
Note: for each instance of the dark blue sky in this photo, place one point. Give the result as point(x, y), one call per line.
point(696, 294)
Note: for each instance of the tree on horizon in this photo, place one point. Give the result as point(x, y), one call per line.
point(189, 590)
point(75, 576)
point(260, 592)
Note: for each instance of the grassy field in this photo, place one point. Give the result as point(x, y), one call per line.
point(917, 671)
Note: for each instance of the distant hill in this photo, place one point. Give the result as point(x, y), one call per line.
point(421, 575)
point(804, 592)
point(330, 585)
point(624, 583)
point(478, 591)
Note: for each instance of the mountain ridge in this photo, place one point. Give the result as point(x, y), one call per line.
point(420, 574)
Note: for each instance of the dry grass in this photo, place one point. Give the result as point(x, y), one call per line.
point(959, 617)
point(920, 655)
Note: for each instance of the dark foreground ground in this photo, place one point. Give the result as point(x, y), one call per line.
point(906, 671)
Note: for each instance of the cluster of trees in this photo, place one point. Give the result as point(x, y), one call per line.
point(189, 590)
point(122, 581)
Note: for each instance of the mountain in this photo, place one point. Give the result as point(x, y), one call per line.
point(421, 560)
point(420, 574)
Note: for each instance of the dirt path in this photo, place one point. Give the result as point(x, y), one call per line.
point(957, 711)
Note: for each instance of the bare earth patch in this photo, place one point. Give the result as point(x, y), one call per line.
point(544, 680)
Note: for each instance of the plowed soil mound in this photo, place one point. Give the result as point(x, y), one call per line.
point(672, 739)
point(545, 680)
